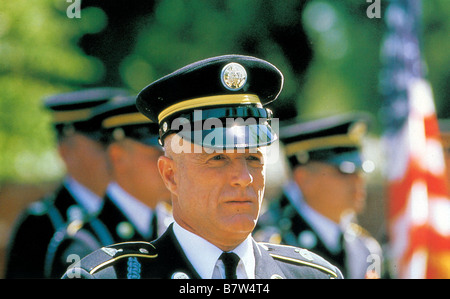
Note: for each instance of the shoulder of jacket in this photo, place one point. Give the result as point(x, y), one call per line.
point(300, 256)
point(41, 206)
point(38, 208)
point(110, 255)
point(365, 237)
point(358, 230)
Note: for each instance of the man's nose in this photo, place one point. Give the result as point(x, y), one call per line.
point(241, 175)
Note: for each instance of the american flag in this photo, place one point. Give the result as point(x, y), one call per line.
point(418, 203)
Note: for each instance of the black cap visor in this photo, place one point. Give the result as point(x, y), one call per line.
point(237, 136)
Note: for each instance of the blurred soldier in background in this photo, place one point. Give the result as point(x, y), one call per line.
point(82, 190)
point(317, 207)
point(136, 205)
point(137, 194)
point(444, 127)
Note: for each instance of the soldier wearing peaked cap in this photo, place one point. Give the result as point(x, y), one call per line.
point(134, 149)
point(326, 190)
point(136, 202)
point(81, 192)
point(214, 168)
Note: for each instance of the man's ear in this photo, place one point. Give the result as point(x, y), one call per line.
point(166, 167)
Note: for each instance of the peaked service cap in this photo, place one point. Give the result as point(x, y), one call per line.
point(336, 140)
point(217, 103)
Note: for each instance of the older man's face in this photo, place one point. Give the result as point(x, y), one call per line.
point(217, 195)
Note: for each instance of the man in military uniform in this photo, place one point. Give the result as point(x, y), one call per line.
point(136, 205)
point(136, 201)
point(317, 207)
point(214, 129)
point(83, 187)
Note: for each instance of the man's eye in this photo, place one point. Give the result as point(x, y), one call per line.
point(218, 158)
point(254, 158)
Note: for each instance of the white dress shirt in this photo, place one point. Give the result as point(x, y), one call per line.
point(204, 256)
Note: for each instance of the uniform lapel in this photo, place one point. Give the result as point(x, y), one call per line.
point(172, 260)
point(116, 222)
point(299, 227)
point(63, 200)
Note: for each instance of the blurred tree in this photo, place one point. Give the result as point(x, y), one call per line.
point(118, 37)
point(183, 31)
point(436, 49)
point(344, 72)
point(39, 56)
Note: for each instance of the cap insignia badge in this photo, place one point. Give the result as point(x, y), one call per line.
point(234, 76)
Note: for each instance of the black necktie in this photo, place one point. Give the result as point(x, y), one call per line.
point(340, 256)
point(153, 227)
point(230, 261)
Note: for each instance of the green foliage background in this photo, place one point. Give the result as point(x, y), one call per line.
point(40, 54)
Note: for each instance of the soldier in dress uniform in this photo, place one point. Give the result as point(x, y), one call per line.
point(136, 205)
point(82, 190)
point(327, 189)
point(214, 129)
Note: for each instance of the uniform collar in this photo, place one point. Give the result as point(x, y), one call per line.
point(327, 230)
point(136, 212)
point(204, 255)
point(87, 199)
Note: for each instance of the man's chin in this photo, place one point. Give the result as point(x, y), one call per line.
point(241, 224)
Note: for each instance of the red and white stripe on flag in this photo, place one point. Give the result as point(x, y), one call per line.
point(419, 206)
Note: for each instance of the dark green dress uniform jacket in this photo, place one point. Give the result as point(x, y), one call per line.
point(119, 226)
point(32, 233)
point(283, 223)
point(164, 258)
point(110, 226)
